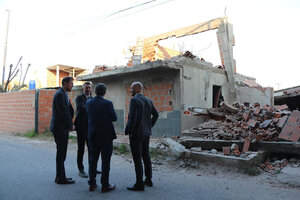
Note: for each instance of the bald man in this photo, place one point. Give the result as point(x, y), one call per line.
point(141, 118)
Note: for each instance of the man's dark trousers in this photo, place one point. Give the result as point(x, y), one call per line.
point(105, 148)
point(81, 141)
point(61, 139)
point(140, 150)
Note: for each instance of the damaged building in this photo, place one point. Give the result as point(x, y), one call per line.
point(178, 83)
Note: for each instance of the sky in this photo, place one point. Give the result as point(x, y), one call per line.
point(92, 32)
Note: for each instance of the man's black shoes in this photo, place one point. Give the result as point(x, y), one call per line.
point(108, 188)
point(56, 178)
point(148, 182)
point(64, 181)
point(137, 187)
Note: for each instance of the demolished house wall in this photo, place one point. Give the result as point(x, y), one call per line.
point(198, 81)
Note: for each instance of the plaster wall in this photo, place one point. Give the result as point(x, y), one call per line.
point(254, 95)
point(198, 82)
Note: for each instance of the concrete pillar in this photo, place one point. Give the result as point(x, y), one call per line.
point(226, 41)
point(57, 76)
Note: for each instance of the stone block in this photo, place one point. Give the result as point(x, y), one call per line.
point(176, 148)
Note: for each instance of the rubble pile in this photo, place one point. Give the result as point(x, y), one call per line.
point(241, 121)
point(274, 165)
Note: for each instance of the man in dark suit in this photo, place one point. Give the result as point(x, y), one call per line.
point(101, 134)
point(141, 118)
point(81, 125)
point(61, 125)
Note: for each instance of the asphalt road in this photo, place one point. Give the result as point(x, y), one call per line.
point(27, 170)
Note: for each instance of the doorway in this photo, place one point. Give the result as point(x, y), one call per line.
point(217, 96)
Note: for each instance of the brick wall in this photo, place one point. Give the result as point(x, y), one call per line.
point(17, 111)
point(45, 109)
point(160, 94)
point(165, 53)
point(153, 51)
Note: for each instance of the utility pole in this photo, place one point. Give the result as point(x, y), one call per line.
point(5, 49)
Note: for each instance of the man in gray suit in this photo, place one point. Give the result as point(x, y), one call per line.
point(141, 118)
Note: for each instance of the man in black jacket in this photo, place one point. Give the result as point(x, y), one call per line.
point(101, 115)
point(81, 125)
point(141, 118)
point(61, 125)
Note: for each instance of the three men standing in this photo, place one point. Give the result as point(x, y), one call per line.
point(141, 118)
point(61, 125)
point(101, 134)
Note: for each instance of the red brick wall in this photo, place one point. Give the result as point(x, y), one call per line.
point(17, 111)
point(45, 109)
point(160, 94)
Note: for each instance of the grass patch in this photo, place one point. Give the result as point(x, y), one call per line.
point(30, 134)
point(45, 136)
point(252, 171)
point(18, 134)
point(153, 153)
point(122, 149)
point(72, 138)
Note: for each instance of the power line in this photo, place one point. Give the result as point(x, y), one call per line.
point(136, 12)
point(106, 19)
point(129, 8)
point(96, 19)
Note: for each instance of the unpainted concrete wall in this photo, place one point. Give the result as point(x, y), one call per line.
point(198, 81)
point(255, 95)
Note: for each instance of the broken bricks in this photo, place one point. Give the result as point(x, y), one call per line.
point(226, 151)
point(240, 121)
point(291, 130)
point(246, 145)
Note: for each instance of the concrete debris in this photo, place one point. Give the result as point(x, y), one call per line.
point(196, 149)
point(176, 148)
point(188, 54)
point(213, 151)
point(241, 121)
point(229, 108)
point(195, 111)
